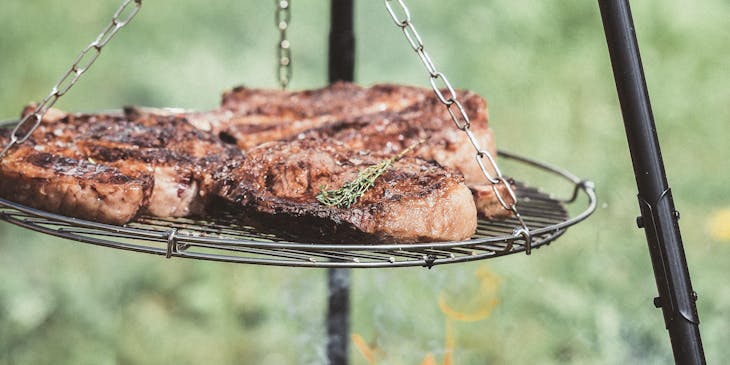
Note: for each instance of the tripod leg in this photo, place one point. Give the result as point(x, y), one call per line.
point(658, 216)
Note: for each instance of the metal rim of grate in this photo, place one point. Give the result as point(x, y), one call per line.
point(225, 240)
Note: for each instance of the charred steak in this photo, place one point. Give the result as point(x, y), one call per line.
point(73, 187)
point(413, 201)
point(173, 158)
point(46, 173)
point(180, 158)
point(249, 117)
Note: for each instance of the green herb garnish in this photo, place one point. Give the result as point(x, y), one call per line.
point(351, 191)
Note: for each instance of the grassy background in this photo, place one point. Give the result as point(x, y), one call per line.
point(543, 66)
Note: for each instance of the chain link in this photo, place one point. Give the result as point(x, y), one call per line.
point(83, 62)
point(447, 95)
point(282, 20)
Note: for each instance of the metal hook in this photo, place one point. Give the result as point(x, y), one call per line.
point(525, 233)
point(171, 243)
point(584, 185)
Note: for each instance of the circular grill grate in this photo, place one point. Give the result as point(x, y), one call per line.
point(223, 239)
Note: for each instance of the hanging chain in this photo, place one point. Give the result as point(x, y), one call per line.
point(83, 62)
point(458, 115)
point(283, 17)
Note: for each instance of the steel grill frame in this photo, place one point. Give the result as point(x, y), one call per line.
point(224, 240)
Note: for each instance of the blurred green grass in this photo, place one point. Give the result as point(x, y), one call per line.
point(544, 68)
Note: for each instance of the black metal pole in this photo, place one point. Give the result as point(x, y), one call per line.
point(341, 68)
point(658, 216)
point(342, 41)
point(338, 316)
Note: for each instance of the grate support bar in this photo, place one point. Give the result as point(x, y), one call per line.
point(658, 216)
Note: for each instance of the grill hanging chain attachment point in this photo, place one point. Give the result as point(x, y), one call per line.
point(282, 20)
point(83, 62)
point(447, 96)
point(171, 243)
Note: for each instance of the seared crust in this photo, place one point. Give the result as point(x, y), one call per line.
point(413, 201)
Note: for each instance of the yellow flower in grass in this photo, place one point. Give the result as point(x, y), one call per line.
point(719, 224)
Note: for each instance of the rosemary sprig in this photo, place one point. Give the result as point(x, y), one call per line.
point(351, 191)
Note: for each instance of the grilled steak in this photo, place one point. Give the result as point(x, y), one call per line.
point(249, 117)
point(172, 155)
point(46, 173)
point(73, 187)
point(180, 157)
point(413, 201)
